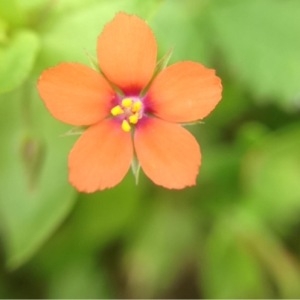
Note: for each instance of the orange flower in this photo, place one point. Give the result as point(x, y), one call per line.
point(124, 122)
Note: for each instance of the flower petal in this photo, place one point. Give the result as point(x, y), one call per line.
point(101, 157)
point(184, 92)
point(127, 52)
point(75, 94)
point(168, 154)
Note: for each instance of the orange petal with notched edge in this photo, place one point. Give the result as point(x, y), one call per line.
point(184, 92)
point(75, 94)
point(127, 52)
point(168, 154)
point(101, 157)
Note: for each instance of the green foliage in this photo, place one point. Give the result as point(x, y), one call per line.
point(230, 269)
point(259, 41)
point(275, 163)
point(187, 16)
point(11, 12)
point(170, 227)
point(71, 33)
point(234, 235)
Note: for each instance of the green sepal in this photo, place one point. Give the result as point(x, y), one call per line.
point(74, 131)
point(93, 61)
point(192, 123)
point(163, 62)
point(160, 65)
point(135, 167)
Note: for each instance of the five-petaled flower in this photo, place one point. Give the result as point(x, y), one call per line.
point(125, 121)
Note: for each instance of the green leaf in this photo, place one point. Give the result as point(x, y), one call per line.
point(35, 195)
point(261, 49)
point(17, 58)
point(271, 173)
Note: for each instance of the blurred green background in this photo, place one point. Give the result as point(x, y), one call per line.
point(235, 235)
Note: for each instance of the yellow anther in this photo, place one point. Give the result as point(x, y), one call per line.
point(133, 119)
point(117, 110)
point(136, 106)
point(125, 126)
point(127, 102)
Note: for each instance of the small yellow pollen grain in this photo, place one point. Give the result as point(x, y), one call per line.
point(117, 110)
point(136, 106)
point(125, 126)
point(127, 102)
point(133, 119)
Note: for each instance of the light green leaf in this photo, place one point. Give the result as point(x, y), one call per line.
point(34, 192)
point(17, 58)
point(260, 44)
point(34, 5)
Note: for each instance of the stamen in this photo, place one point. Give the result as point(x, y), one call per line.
point(117, 110)
point(130, 111)
point(127, 102)
point(125, 126)
point(133, 119)
point(136, 106)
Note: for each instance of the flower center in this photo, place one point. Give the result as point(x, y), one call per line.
point(130, 110)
